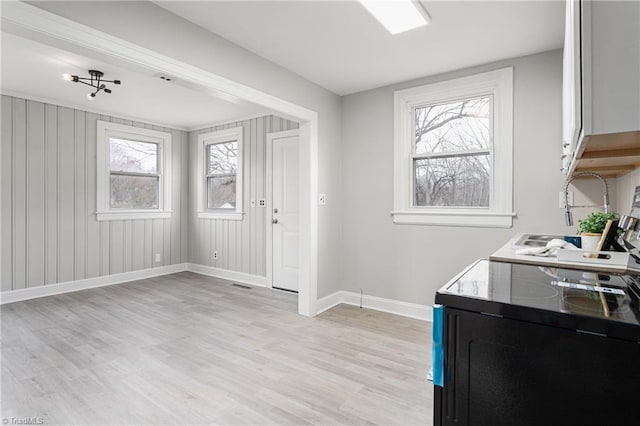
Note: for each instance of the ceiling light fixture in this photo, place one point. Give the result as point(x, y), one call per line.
point(95, 80)
point(398, 16)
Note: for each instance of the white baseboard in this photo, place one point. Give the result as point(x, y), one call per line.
point(329, 302)
point(105, 280)
point(70, 286)
point(405, 309)
point(227, 274)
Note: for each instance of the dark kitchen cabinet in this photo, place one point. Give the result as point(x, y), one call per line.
point(500, 371)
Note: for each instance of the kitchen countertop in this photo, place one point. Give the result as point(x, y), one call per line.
point(507, 253)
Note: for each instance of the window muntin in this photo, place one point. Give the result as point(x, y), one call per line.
point(452, 154)
point(133, 172)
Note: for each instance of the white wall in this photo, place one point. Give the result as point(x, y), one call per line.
point(151, 26)
point(625, 188)
point(409, 262)
point(241, 244)
point(49, 227)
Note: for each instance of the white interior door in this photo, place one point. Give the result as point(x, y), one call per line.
point(285, 214)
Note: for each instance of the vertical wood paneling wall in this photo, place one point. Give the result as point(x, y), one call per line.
point(241, 245)
point(48, 178)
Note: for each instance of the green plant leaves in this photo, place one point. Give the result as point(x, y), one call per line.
point(596, 222)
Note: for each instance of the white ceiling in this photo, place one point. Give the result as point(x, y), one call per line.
point(340, 46)
point(34, 70)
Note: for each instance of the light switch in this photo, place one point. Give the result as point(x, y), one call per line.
point(322, 199)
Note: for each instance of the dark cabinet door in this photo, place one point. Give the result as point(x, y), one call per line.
point(508, 372)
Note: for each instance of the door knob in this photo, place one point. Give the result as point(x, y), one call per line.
point(275, 210)
point(274, 221)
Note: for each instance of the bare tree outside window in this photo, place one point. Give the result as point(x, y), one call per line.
point(451, 161)
point(134, 177)
point(222, 166)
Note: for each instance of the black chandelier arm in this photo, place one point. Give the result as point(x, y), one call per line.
point(93, 79)
point(85, 83)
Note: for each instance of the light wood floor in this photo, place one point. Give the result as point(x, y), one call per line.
point(186, 348)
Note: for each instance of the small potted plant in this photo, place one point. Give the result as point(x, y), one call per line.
point(591, 227)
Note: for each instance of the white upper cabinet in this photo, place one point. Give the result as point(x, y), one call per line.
point(601, 87)
point(572, 84)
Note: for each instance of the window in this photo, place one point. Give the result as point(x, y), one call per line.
point(133, 172)
point(222, 166)
point(451, 156)
point(220, 174)
point(453, 152)
point(134, 178)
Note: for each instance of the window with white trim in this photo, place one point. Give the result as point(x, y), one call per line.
point(220, 174)
point(133, 172)
point(453, 152)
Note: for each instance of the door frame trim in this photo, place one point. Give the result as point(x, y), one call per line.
point(269, 195)
point(33, 23)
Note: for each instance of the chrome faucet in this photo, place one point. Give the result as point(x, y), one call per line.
point(567, 214)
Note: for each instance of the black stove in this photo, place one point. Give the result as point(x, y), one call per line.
point(596, 302)
point(518, 344)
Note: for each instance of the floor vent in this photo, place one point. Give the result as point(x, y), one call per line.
point(246, 287)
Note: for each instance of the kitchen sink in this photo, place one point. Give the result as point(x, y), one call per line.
point(531, 240)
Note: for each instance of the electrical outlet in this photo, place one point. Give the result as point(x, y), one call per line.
point(561, 199)
point(262, 202)
point(157, 257)
point(215, 255)
point(322, 199)
point(253, 202)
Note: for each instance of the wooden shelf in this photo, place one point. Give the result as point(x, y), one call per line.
point(611, 155)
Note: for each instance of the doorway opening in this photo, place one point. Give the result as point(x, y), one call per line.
point(36, 24)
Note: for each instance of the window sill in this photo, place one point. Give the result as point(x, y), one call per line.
point(480, 219)
point(223, 216)
point(133, 215)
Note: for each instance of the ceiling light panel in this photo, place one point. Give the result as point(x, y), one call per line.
point(398, 16)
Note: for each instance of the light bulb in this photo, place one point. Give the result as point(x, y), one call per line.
point(90, 96)
point(67, 76)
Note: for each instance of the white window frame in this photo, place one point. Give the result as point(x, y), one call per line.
point(499, 86)
point(107, 130)
point(234, 134)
